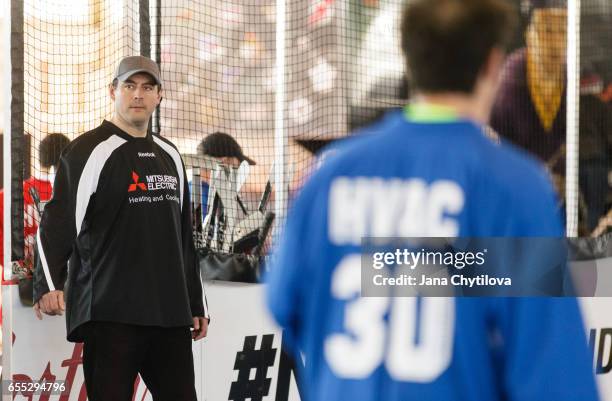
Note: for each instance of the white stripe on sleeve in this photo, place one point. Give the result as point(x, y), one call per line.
point(43, 259)
point(91, 173)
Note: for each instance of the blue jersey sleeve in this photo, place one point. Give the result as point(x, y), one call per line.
point(284, 293)
point(545, 351)
point(545, 348)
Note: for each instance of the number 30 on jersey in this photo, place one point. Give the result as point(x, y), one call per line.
point(369, 340)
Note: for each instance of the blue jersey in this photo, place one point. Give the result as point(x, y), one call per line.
point(405, 179)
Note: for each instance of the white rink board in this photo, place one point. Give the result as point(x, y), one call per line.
point(237, 312)
point(597, 314)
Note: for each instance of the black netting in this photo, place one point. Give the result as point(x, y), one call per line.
point(219, 69)
point(595, 133)
point(532, 108)
point(70, 49)
point(342, 69)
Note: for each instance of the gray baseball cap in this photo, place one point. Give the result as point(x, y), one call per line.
point(131, 65)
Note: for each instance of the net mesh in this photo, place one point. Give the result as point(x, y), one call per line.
point(218, 63)
point(69, 49)
point(532, 110)
point(595, 127)
point(343, 68)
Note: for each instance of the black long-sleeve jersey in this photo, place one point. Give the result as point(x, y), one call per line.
point(117, 233)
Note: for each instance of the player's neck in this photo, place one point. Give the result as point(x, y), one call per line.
point(464, 106)
point(133, 130)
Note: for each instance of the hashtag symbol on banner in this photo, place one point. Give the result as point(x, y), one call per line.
point(248, 359)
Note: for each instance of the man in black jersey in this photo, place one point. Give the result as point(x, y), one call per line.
point(120, 218)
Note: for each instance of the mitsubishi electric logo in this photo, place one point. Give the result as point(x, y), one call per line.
point(136, 184)
point(156, 182)
point(153, 182)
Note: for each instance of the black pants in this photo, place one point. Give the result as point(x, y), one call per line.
point(114, 353)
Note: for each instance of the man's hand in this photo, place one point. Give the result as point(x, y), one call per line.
point(52, 303)
point(200, 328)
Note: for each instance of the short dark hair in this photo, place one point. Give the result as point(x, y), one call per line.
point(220, 144)
point(447, 42)
point(51, 148)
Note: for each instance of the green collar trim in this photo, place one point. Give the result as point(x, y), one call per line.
point(430, 113)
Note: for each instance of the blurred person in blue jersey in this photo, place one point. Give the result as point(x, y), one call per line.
point(427, 171)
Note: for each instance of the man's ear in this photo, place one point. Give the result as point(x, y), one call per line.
point(111, 91)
